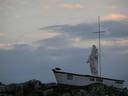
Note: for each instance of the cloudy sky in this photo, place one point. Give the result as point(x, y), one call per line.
point(38, 35)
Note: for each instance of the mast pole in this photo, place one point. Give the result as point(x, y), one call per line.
point(99, 46)
point(99, 51)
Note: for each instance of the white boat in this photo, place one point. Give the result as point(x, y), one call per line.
point(73, 79)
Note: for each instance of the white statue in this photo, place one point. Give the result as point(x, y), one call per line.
point(93, 61)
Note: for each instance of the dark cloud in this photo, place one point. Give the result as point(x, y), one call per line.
point(55, 42)
point(83, 30)
point(117, 29)
point(114, 29)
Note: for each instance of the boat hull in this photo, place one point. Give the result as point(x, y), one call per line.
point(84, 80)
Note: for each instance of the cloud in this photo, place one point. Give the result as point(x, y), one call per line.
point(82, 36)
point(68, 41)
point(72, 6)
point(60, 41)
point(114, 29)
point(115, 16)
point(82, 29)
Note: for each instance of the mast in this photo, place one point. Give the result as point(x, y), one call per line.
point(99, 46)
point(99, 52)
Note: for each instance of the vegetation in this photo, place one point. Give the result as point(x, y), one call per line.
point(36, 88)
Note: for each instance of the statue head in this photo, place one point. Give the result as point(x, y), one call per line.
point(93, 46)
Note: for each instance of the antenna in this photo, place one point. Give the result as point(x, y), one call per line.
point(99, 52)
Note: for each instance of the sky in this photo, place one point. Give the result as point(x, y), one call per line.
point(39, 35)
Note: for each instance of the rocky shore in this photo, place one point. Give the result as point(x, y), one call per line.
point(37, 88)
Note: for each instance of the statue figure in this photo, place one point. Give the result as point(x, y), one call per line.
point(93, 61)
